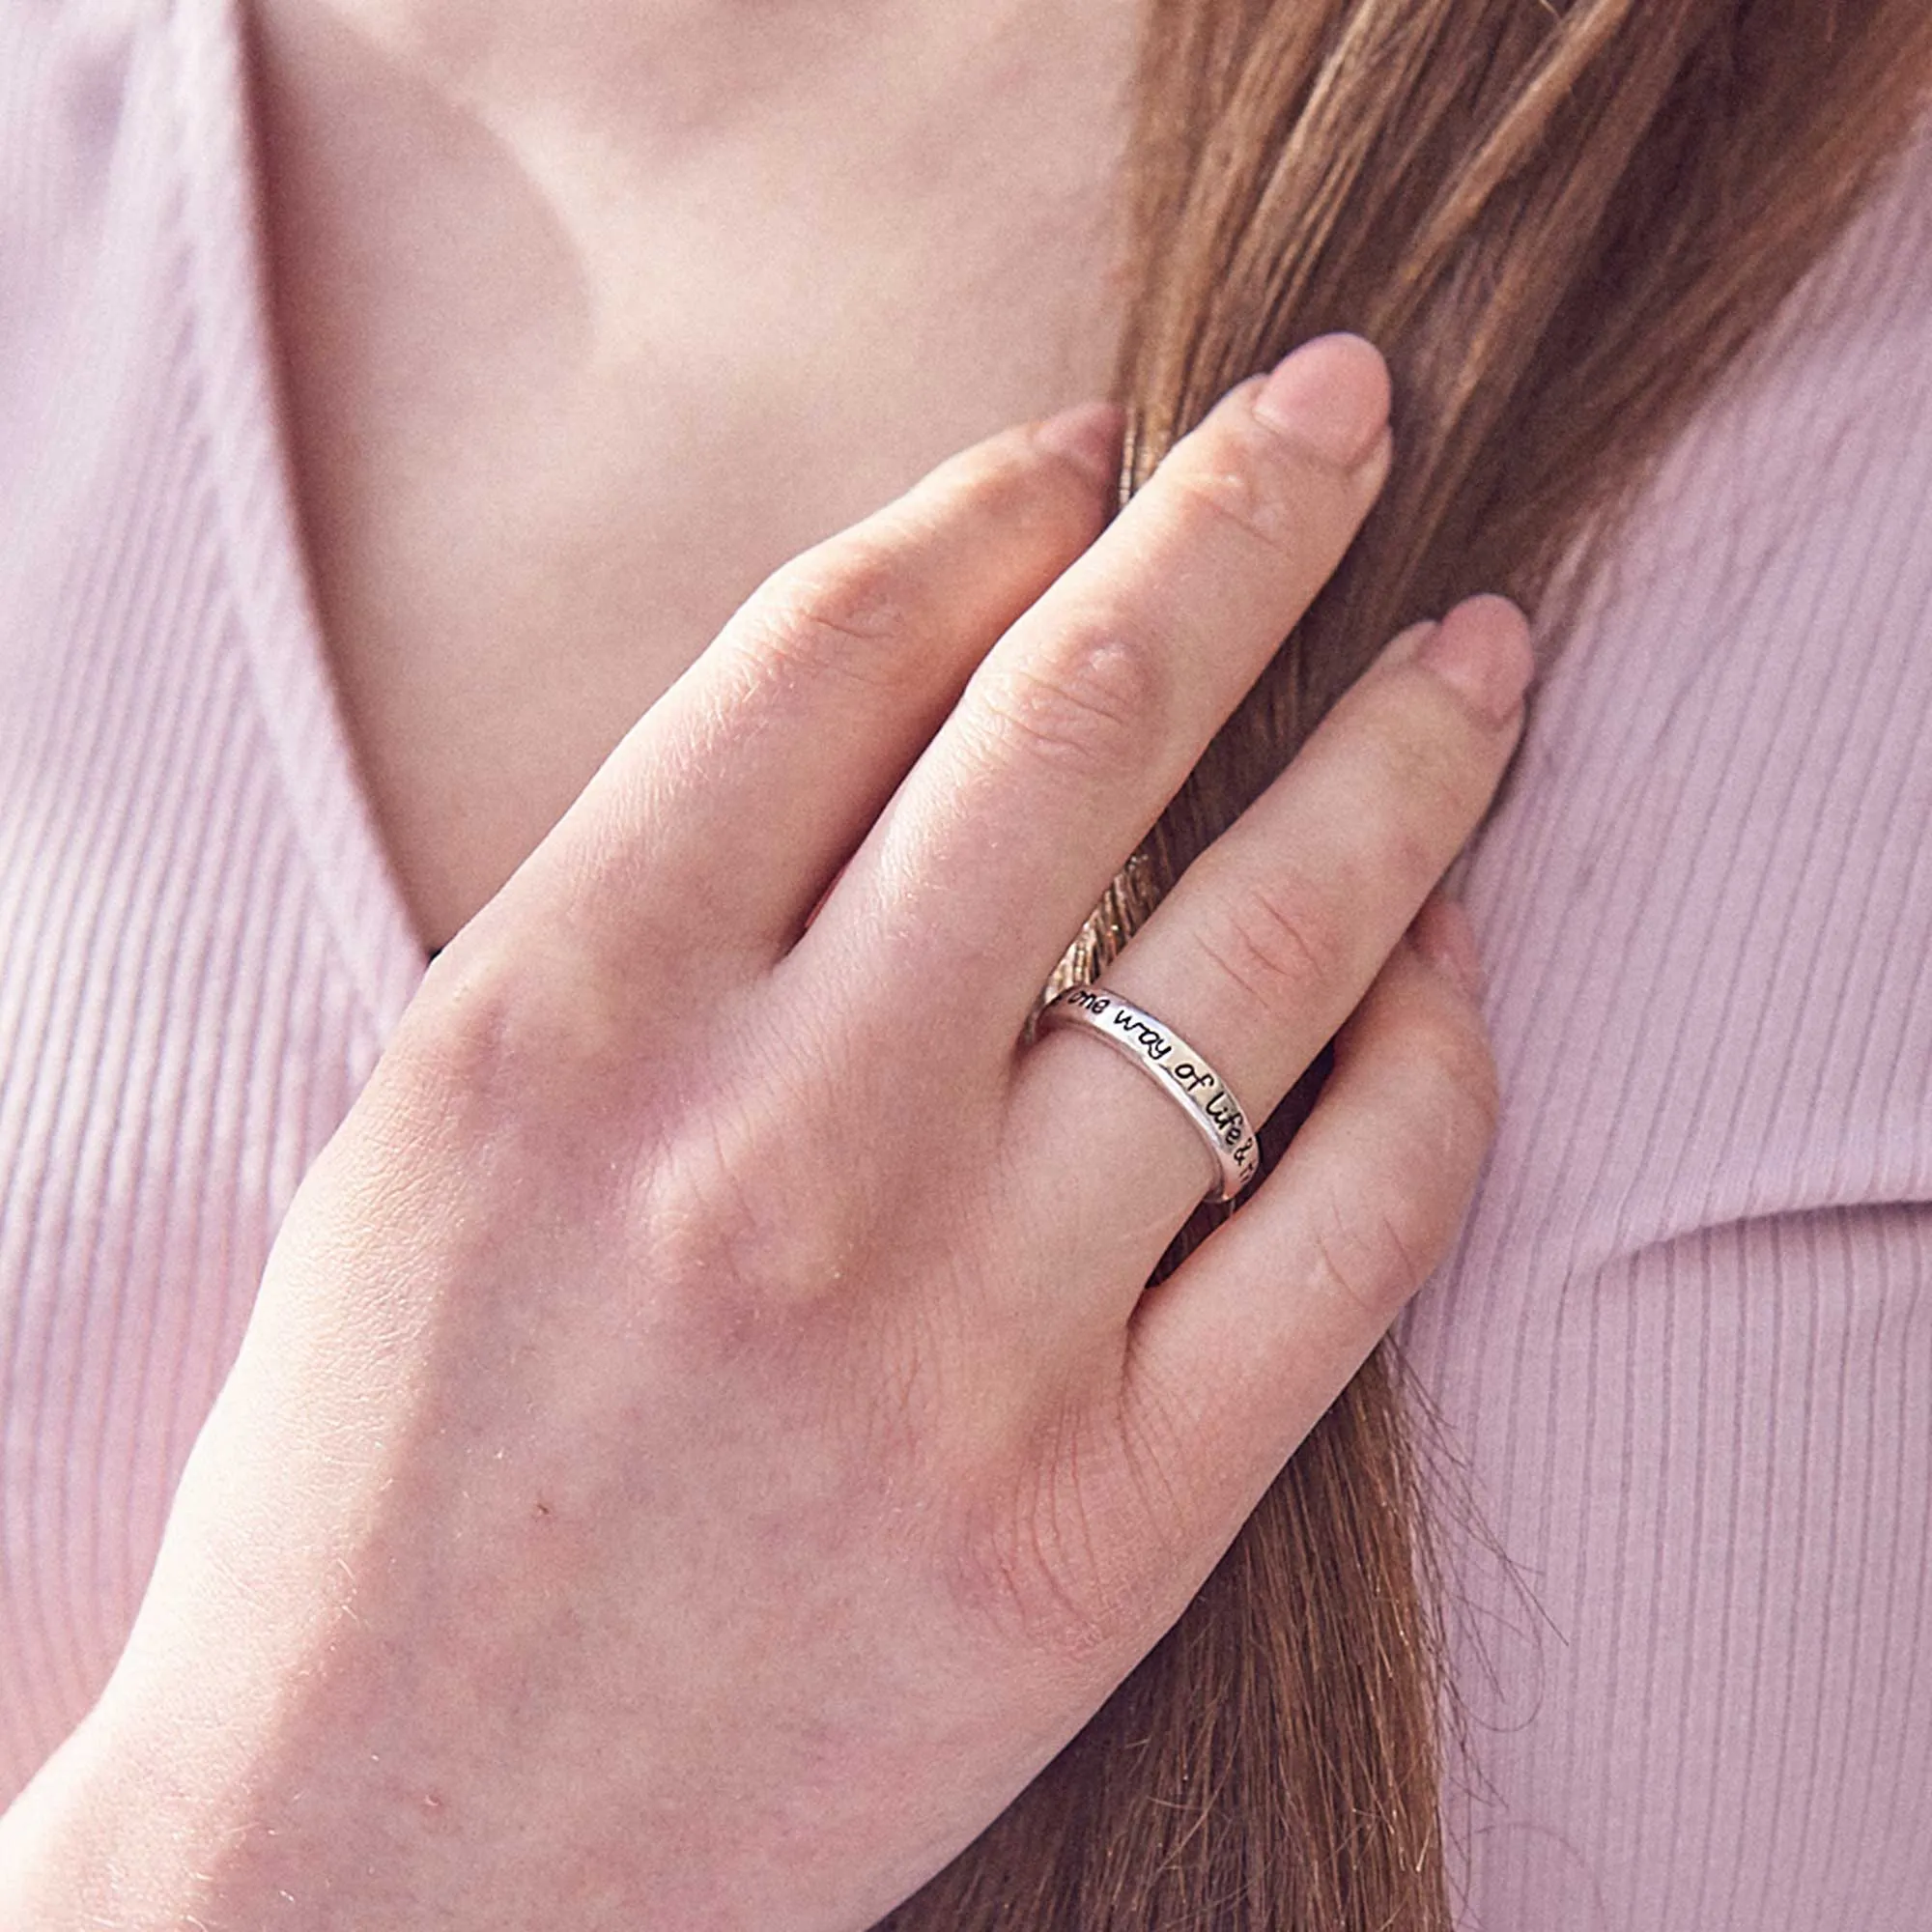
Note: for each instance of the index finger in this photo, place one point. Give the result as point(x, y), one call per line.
point(1085, 717)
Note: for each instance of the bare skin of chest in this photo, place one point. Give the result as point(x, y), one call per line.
point(590, 318)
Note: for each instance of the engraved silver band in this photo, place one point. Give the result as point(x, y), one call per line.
point(1158, 1050)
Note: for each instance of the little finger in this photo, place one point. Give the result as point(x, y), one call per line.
point(1233, 1359)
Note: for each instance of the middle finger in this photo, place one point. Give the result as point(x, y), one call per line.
point(1084, 720)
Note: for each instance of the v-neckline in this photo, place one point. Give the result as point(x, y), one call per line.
point(252, 478)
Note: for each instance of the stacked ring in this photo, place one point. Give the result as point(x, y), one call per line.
point(1161, 1052)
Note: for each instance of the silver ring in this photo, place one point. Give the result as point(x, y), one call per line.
point(1158, 1050)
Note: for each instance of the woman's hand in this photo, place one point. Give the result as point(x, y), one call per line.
point(702, 1446)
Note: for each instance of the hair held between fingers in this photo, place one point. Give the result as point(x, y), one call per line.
point(1562, 224)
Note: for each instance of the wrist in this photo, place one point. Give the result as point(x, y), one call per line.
point(152, 1813)
point(95, 1839)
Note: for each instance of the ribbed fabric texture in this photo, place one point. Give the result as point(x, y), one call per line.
point(1682, 1359)
point(200, 947)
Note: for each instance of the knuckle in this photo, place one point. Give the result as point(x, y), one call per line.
point(1231, 490)
point(1442, 778)
point(995, 478)
point(846, 610)
point(517, 1067)
point(1011, 485)
point(1425, 757)
point(1415, 802)
point(1278, 942)
point(1405, 846)
point(1376, 1242)
point(1162, 1435)
point(1446, 1103)
point(1462, 1101)
point(1372, 1260)
point(1245, 480)
point(1093, 703)
point(738, 1205)
point(480, 1027)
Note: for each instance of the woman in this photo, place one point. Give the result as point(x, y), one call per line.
point(1558, 251)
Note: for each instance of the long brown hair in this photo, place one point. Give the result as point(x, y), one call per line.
point(1562, 220)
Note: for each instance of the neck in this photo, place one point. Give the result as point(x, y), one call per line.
point(664, 76)
point(593, 311)
point(620, 122)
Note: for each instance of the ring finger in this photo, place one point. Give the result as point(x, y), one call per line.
point(1273, 935)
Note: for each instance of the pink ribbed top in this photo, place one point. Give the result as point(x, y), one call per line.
point(1683, 1357)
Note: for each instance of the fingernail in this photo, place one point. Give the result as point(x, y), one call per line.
point(1481, 651)
point(1089, 436)
point(1331, 397)
point(1445, 938)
